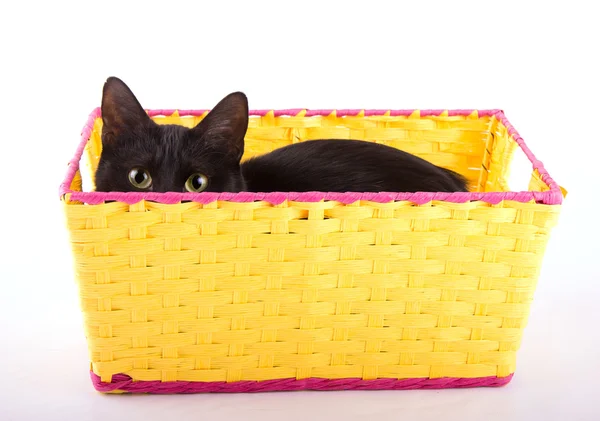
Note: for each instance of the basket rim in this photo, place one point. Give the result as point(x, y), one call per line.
point(553, 196)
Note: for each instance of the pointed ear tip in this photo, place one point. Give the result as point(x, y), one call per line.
point(239, 97)
point(108, 85)
point(113, 82)
point(111, 79)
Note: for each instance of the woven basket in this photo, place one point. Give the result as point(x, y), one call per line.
point(230, 292)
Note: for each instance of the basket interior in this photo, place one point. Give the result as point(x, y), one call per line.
point(476, 146)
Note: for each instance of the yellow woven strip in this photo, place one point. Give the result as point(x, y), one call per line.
point(499, 149)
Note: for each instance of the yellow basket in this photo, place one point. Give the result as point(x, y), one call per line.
point(193, 292)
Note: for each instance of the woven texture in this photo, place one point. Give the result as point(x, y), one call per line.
point(223, 292)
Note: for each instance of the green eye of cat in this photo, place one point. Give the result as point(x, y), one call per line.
point(196, 183)
point(140, 178)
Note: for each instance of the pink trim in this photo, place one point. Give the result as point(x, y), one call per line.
point(551, 197)
point(122, 382)
point(325, 112)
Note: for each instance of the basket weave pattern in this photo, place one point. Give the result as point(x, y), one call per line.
point(186, 292)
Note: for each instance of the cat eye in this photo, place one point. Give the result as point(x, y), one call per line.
point(140, 178)
point(196, 183)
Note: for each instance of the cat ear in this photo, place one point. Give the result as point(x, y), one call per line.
point(121, 110)
point(226, 124)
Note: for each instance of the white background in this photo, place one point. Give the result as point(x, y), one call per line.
point(537, 62)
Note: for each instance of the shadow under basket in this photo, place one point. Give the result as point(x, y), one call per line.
point(250, 292)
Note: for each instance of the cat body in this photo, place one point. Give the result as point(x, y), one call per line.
point(140, 155)
point(336, 165)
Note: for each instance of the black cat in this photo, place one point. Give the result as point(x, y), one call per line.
point(140, 155)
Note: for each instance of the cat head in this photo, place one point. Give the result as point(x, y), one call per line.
point(141, 155)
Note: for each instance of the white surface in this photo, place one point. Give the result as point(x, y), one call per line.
point(533, 62)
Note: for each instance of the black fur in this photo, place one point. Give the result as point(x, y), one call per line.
point(346, 165)
point(171, 153)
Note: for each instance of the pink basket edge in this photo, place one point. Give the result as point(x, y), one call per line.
point(124, 383)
